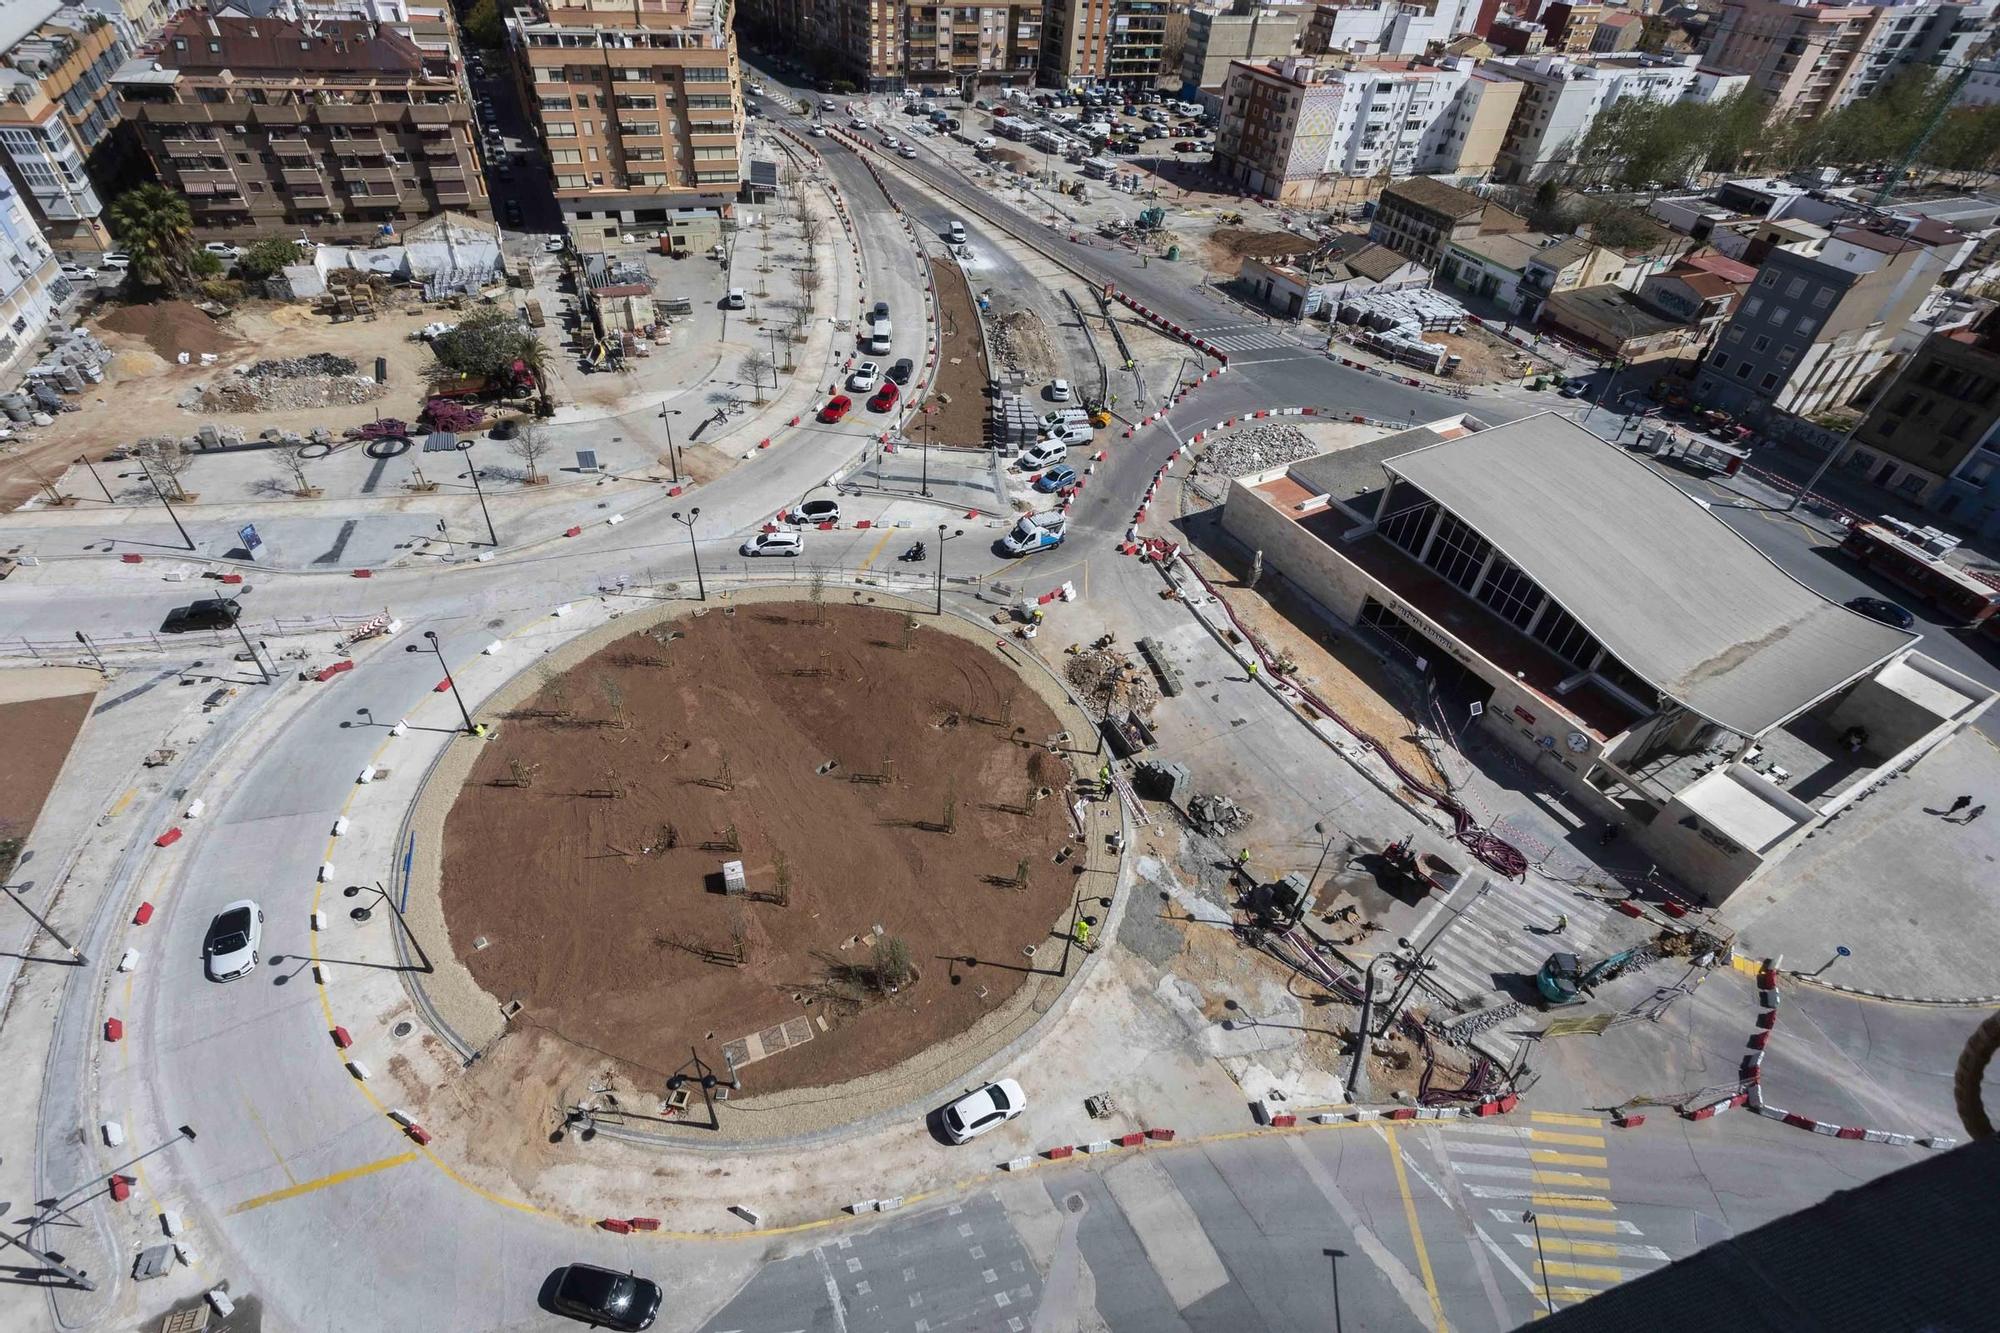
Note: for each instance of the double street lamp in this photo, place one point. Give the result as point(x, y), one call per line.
point(701, 588)
point(942, 539)
point(451, 680)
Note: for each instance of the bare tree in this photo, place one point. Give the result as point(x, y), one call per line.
point(614, 698)
point(294, 459)
point(756, 363)
point(811, 226)
point(168, 461)
point(531, 446)
point(809, 282)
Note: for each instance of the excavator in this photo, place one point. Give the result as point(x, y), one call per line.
point(1565, 980)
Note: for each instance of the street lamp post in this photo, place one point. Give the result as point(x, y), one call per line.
point(772, 334)
point(91, 648)
point(255, 656)
point(472, 469)
point(701, 588)
point(168, 503)
point(90, 468)
point(924, 488)
point(1548, 1297)
point(942, 539)
point(673, 459)
point(452, 681)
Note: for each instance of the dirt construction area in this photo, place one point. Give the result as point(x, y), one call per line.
point(957, 400)
point(886, 788)
point(42, 710)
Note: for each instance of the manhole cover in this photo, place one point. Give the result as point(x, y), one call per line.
point(1075, 1203)
point(401, 1030)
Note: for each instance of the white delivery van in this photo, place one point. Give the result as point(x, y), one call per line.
point(878, 337)
point(1045, 453)
point(1066, 416)
point(956, 232)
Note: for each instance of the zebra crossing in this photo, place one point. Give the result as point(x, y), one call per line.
point(1246, 337)
point(1490, 928)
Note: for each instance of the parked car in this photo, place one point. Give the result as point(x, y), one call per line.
point(735, 299)
point(881, 310)
point(208, 613)
point(117, 261)
point(836, 408)
point(601, 1298)
point(1574, 389)
point(987, 144)
point(977, 1112)
point(1186, 146)
point(865, 377)
point(1056, 478)
point(907, 150)
point(1886, 612)
point(775, 543)
point(77, 272)
point(1043, 453)
point(224, 249)
point(885, 397)
point(552, 245)
point(902, 370)
point(234, 939)
point(1069, 433)
point(1059, 391)
point(814, 512)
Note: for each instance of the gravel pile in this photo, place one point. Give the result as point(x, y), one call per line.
point(1256, 449)
point(299, 367)
point(282, 394)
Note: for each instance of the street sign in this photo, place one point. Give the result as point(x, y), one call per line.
point(247, 534)
point(1843, 951)
point(586, 460)
point(1477, 708)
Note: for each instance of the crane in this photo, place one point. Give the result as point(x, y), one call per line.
point(1894, 177)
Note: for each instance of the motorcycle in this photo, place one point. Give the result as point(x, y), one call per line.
point(916, 552)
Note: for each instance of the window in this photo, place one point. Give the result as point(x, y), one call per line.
point(1769, 381)
point(1457, 552)
point(1509, 591)
point(1411, 519)
point(1760, 344)
point(1781, 316)
point(1565, 637)
point(1787, 355)
point(1795, 288)
point(1807, 324)
point(1719, 361)
point(1823, 297)
point(1753, 305)
point(1767, 279)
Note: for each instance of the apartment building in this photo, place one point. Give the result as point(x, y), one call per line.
point(1933, 436)
point(1572, 28)
point(58, 115)
point(1479, 118)
point(431, 27)
point(1253, 33)
point(638, 103)
point(1813, 329)
point(270, 126)
point(968, 47)
point(1388, 28)
point(1564, 94)
point(1802, 57)
point(1418, 218)
point(1617, 33)
point(1118, 42)
point(1287, 127)
point(32, 287)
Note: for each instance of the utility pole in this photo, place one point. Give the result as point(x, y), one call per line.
point(701, 588)
point(942, 539)
point(673, 459)
point(168, 503)
point(90, 647)
point(452, 681)
point(42, 921)
point(88, 467)
point(1548, 1297)
point(1357, 1074)
point(472, 469)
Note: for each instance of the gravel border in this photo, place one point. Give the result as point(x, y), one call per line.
point(1975, 1001)
point(469, 1018)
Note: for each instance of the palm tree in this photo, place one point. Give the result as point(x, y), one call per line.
point(154, 227)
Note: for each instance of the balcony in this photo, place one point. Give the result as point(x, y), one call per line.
point(190, 147)
point(291, 146)
point(443, 148)
point(209, 182)
point(295, 177)
point(385, 176)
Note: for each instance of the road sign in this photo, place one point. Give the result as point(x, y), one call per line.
point(586, 460)
point(247, 534)
point(1843, 951)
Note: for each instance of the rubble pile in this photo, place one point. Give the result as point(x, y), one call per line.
point(1256, 450)
point(288, 392)
point(1217, 814)
point(1111, 683)
point(299, 367)
point(1021, 341)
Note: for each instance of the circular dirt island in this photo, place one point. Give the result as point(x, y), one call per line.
point(889, 790)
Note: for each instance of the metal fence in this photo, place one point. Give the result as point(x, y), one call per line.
point(71, 649)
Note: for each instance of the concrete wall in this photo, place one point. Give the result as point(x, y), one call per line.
point(1304, 558)
point(1893, 722)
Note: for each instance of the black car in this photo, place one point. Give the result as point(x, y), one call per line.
point(209, 613)
point(902, 370)
point(1886, 612)
point(600, 1297)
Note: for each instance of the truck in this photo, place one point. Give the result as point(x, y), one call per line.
point(516, 381)
point(1036, 532)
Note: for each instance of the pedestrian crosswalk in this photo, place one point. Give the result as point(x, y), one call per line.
point(1488, 930)
point(1558, 1235)
point(1246, 337)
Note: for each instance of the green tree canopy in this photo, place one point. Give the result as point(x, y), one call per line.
point(267, 257)
point(486, 342)
point(152, 225)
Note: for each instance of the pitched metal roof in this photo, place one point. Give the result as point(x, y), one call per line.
point(1664, 585)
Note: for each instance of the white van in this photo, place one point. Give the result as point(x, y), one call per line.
point(956, 232)
point(1046, 453)
point(878, 337)
point(1066, 416)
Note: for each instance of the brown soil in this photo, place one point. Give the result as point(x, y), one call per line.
point(39, 734)
point(170, 328)
point(1227, 247)
point(958, 393)
point(592, 908)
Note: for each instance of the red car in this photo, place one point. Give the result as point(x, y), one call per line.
point(885, 397)
point(836, 408)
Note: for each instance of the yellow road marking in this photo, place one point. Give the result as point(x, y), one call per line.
point(118, 806)
point(1554, 1158)
point(1574, 1140)
point(262, 1129)
point(1572, 1180)
point(1562, 1118)
point(1602, 1226)
point(337, 1178)
point(876, 549)
point(1742, 964)
point(1572, 1294)
point(1588, 1272)
point(1416, 1232)
point(1578, 1201)
point(1590, 1249)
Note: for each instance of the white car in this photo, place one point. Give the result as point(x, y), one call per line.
point(818, 131)
point(430, 332)
point(775, 543)
point(77, 272)
point(552, 245)
point(866, 376)
point(907, 150)
point(813, 513)
point(977, 1112)
point(890, 141)
point(224, 250)
point(1059, 391)
point(234, 938)
point(735, 299)
point(1070, 433)
point(116, 262)
point(987, 144)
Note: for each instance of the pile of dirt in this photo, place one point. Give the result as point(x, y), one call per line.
point(1112, 682)
point(298, 367)
point(1014, 158)
point(282, 393)
point(1021, 342)
point(957, 401)
point(1260, 244)
point(870, 792)
point(171, 328)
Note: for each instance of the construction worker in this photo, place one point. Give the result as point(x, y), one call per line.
point(1243, 858)
point(1253, 670)
point(1083, 934)
point(1561, 925)
point(1104, 775)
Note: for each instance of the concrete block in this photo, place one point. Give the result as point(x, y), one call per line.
point(401, 728)
point(326, 872)
point(1017, 1163)
point(367, 775)
point(129, 961)
point(318, 920)
point(172, 1222)
point(860, 1206)
point(888, 1205)
point(340, 826)
point(493, 649)
point(1100, 1145)
point(194, 809)
point(219, 1300)
point(751, 1215)
point(359, 1070)
point(323, 972)
point(1821, 1127)
point(114, 1133)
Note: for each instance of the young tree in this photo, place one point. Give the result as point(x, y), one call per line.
point(294, 459)
point(164, 464)
point(153, 225)
point(267, 258)
point(531, 445)
point(485, 342)
point(757, 363)
point(890, 969)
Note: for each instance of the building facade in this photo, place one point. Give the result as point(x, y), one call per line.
point(1263, 35)
point(1118, 42)
point(1812, 330)
point(1811, 59)
point(32, 287)
point(1418, 218)
point(1412, 28)
point(968, 47)
point(270, 126)
point(1933, 435)
point(1564, 95)
point(58, 119)
point(639, 107)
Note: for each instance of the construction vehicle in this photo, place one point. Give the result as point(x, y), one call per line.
point(1036, 532)
point(1564, 979)
point(516, 381)
point(1152, 219)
